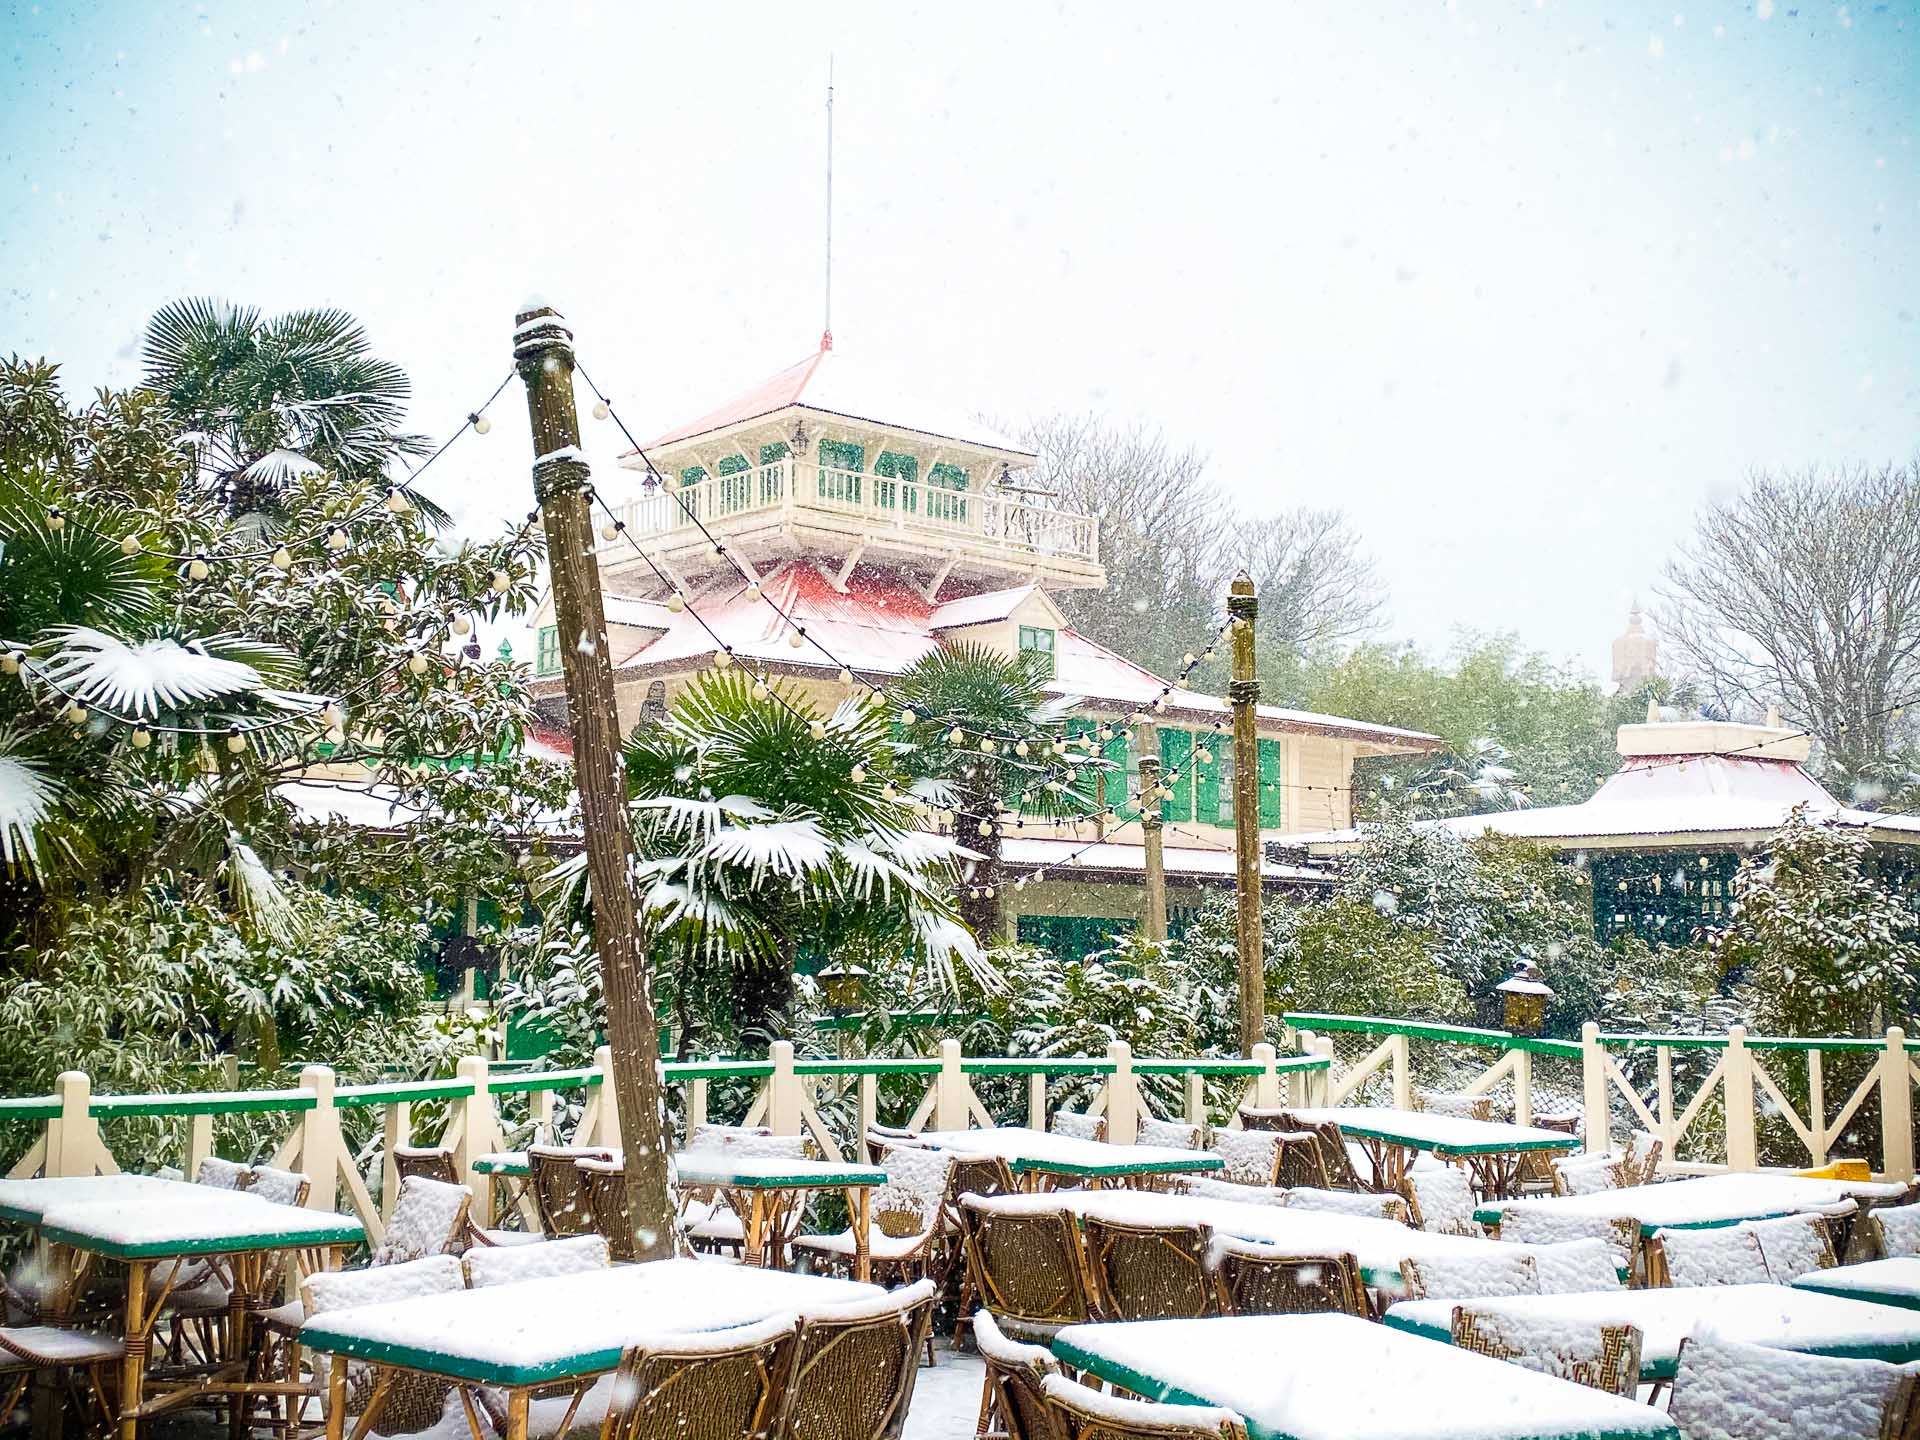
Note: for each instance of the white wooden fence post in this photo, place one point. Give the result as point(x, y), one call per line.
point(1266, 1084)
point(950, 1089)
point(1737, 1085)
point(321, 1148)
point(1402, 1073)
point(1523, 1087)
point(396, 1130)
point(1123, 1096)
point(73, 1137)
point(1896, 1107)
point(1036, 1101)
point(479, 1126)
point(1320, 1086)
point(783, 1091)
point(868, 1100)
point(1196, 1107)
point(1299, 1082)
point(1593, 1086)
point(606, 1130)
point(696, 1105)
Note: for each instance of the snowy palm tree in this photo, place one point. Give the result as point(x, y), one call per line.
point(984, 694)
point(766, 828)
point(269, 400)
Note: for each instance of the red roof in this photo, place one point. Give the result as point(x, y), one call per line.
point(768, 396)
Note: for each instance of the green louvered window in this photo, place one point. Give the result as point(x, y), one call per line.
point(1176, 756)
point(1272, 789)
point(1124, 778)
point(546, 654)
point(1087, 780)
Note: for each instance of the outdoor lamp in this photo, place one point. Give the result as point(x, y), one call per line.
point(843, 985)
point(1523, 997)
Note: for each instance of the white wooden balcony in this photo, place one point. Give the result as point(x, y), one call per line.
point(841, 512)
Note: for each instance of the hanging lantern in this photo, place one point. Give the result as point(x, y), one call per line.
point(844, 987)
point(1523, 999)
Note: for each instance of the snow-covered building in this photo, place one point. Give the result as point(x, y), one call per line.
point(1661, 838)
point(884, 527)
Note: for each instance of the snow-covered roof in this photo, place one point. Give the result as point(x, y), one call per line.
point(982, 609)
point(373, 806)
point(630, 610)
point(1020, 853)
point(832, 383)
point(1675, 801)
point(882, 624)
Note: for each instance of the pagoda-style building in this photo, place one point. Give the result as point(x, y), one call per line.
point(886, 527)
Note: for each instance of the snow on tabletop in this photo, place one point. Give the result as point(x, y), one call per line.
point(1729, 1390)
point(1426, 1130)
point(573, 1324)
point(1709, 1199)
point(1379, 1245)
point(1777, 1315)
point(1017, 1145)
point(1317, 1377)
point(197, 1221)
point(27, 1200)
point(1895, 1280)
point(728, 1167)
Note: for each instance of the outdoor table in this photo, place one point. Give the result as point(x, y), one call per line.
point(1039, 1157)
point(764, 1191)
point(1778, 1315)
point(557, 1329)
point(1489, 1149)
point(140, 1221)
point(1337, 1377)
point(1884, 1282)
point(1378, 1245)
point(1707, 1201)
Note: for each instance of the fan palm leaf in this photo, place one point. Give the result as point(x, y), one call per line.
point(28, 794)
point(145, 677)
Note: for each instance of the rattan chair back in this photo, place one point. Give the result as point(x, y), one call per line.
point(557, 1190)
point(1016, 1375)
point(1460, 1106)
point(603, 1190)
point(1298, 1163)
point(428, 1163)
point(981, 1175)
point(852, 1374)
point(703, 1392)
point(1266, 1280)
point(1333, 1154)
point(1602, 1357)
point(1252, 1117)
point(1150, 1272)
point(1084, 1413)
point(282, 1187)
point(1027, 1266)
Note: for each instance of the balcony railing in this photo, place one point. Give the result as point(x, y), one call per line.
point(880, 501)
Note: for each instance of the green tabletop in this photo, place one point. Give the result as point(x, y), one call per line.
point(769, 1172)
point(1040, 1152)
point(1442, 1135)
point(1894, 1281)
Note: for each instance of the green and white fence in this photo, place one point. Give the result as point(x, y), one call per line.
point(1739, 1078)
point(575, 1106)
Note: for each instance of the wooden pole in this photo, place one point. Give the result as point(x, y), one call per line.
point(543, 352)
point(1243, 692)
point(1151, 843)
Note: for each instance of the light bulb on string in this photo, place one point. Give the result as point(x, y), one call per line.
point(601, 410)
point(907, 717)
point(845, 677)
point(481, 424)
point(460, 625)
point(197, 568)
point(818, 729)
point(130, 545)
point(397, 501)
point(501, 582)
point(417, 663)
point(956, 736)
point(76, 713)
point(283, 559)
point(858, 775)
point(56, 522)
point(141, 737)
point(760, 691)
point(236, 741)
point(796, 638)
point(676, 602)
point(11, 662)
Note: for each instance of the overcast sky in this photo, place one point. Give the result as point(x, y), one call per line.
point(1517, 285)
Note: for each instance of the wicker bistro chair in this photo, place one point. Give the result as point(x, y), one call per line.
point(1027, 1267)
point(603, 1191)
point(557, 1190)
point(909, 1236)
point(1207, 1187)
point(1571, 1267)
point(1014, 1392)
point(1755, 1252)
point(282, 1187)
point(427, 1163)
point(218, 1174)
point(1470, 1277)
point(484, 1266)
point(1253, 1117)
point(1270, 1280)
point(1795, 1245)
point(1460, 1106)
point(1334, 1158)
point(1601, 1357)
point(1350, 1202)
point(1894, 1230)
point(854, 1368)
point(1150, 1272)
point(1078, 1126)
point(1247, 1157)
point(1083, 1413)
point(1171, 1134)
point(30, 1350)
point(390, 1402)
point(730, 1386)
point(196, 1311)
point(1440, 1201)
point(1729, 1390)
point(1536, 1225)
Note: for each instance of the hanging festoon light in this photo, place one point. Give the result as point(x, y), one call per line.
point(236, 740)
point(197, 567)
point(501, 582)
point(55, 520)
point(283, 559)
point(481, 424)
point(141, 737)
point(601, 410)
point(130, 545)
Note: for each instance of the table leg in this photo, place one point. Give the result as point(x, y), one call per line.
point(337, 1398)
point(133, 1365)
point(756, 1229)
point(516, 1415)
point(861, 1205)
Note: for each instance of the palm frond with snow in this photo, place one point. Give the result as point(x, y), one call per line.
point(278, 467)
point(27, 797)
point(146, 676)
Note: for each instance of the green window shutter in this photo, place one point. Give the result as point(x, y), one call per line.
point(1176, 753)
point(731, 465)
point(547, 652)
point(1206, 786)
point(1122, 779)
point(1272, 811)
point(1039, 640)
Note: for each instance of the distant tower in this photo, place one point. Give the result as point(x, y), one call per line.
point(1636, 654)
